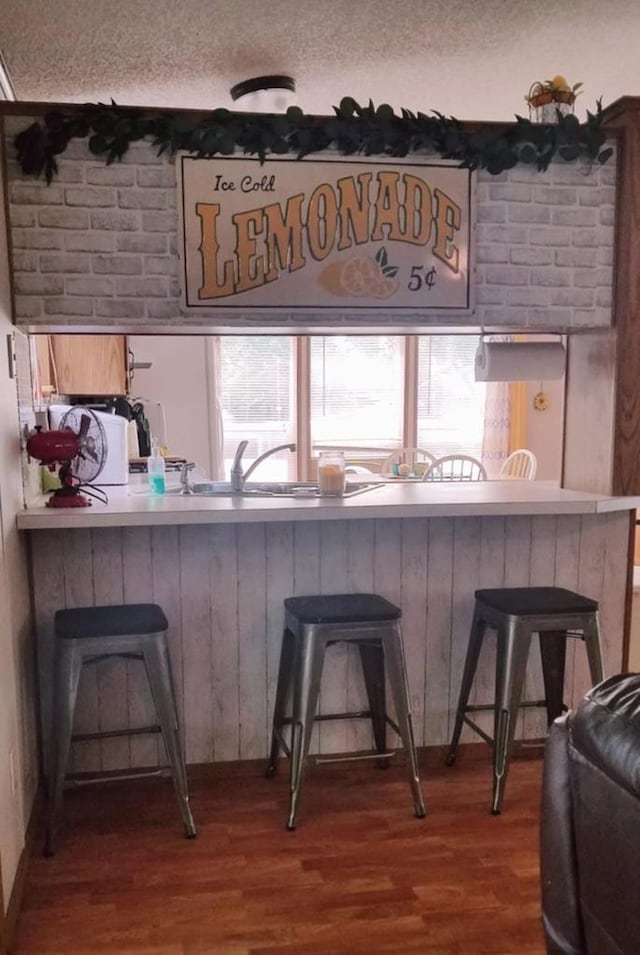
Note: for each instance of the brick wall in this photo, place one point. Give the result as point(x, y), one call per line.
point(544, 248)
point(98, 247)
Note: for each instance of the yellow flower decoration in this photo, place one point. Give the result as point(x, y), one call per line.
point(541, 401)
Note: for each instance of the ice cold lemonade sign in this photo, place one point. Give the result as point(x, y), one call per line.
point(316, 235)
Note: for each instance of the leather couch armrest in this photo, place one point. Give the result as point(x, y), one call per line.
point(560, 897)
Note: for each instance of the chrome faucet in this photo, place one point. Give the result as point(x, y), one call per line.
point(184, 477)
point(238, 476)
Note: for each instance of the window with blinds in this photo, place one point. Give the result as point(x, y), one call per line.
point(258, 400)
point(357, 390)
point(450, 403)
point(357, 396)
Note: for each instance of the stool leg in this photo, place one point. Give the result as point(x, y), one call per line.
point(553, 652)
point(308, 662)
point(593, 644)
point(285, 670)
point(476, 636)
point(157, 665)
point(397, 671)
point(511, 665)
point(372, 659)
point(67, 677)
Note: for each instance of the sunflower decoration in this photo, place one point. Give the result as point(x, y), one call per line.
point(541, 401)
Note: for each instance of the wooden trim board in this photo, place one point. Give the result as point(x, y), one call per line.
point(19, 883)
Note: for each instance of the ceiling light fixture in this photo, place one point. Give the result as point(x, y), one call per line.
point(264, 94)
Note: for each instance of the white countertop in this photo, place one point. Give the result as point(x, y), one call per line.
point(130, 509)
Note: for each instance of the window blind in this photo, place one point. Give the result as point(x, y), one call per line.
point(257, 399)
point(451, 404)
point(357, 390)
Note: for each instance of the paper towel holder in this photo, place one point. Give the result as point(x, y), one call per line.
point(519, 361)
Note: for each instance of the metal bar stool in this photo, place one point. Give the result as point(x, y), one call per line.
point(515, 614)
point(87, 635)
point(311, 625)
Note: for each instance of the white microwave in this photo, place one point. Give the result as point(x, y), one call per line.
point(116, 466)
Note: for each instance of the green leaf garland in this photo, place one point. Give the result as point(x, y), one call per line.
point(353, 130)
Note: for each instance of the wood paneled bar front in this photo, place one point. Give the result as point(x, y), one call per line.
point(222, 568)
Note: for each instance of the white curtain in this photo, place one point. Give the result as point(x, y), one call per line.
point(497, 423)
point(214, 407)
point(497, 420)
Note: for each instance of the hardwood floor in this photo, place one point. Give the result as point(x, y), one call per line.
point(360, 874)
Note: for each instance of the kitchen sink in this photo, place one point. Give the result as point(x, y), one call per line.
point(297, 489)
point(300, 489)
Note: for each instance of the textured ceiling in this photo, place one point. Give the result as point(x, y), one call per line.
point(473, 59)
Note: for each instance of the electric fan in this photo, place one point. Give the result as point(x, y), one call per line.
point(80, 445)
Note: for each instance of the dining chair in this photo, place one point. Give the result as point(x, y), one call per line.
point(456, 467)
point(410, 456)
point(520, 465)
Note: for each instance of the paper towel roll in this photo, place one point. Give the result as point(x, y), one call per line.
point(519, 361)
point(133, 449)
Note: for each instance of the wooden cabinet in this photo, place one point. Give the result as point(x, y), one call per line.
point(83, 364)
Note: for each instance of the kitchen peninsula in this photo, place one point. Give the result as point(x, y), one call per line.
point(111, 259)
point(221, 567)
point(99, 249)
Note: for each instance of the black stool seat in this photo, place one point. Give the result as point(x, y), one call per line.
point(112, 621)
point(536, 601)
point(341, 608)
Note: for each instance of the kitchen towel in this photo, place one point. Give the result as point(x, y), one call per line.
point(519, 361)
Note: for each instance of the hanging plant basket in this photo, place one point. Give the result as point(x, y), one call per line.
point(564, 96)
point(540, 99)
point(547, 100)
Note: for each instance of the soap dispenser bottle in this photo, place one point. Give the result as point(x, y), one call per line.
point(156, 469)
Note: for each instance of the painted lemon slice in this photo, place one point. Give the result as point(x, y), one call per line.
point(356, 278)
point(385, 287)
point(359, 276)
point(329, 278)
